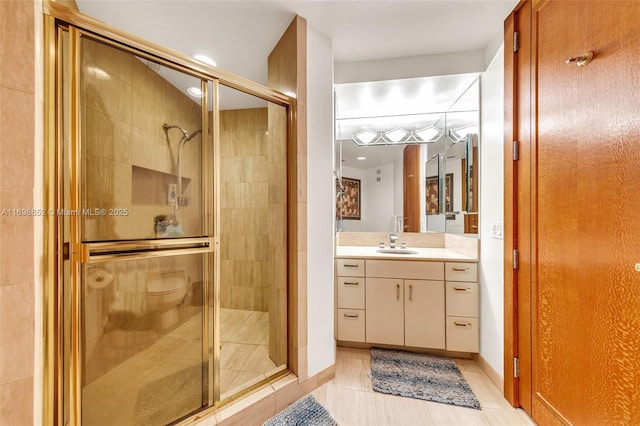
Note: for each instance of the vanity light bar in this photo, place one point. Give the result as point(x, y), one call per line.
point(396, 136)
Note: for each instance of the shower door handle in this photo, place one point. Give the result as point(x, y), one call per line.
point(141, 249)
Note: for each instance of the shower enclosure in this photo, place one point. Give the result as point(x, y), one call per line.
point(171, 233)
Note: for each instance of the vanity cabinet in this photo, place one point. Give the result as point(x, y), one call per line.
point(416, 303)
point(350, 300)
point(406, 309)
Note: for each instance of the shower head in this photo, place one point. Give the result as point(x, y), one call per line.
point(192, 135)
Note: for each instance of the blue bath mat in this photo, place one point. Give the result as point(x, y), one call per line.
point(304, 412)
point(421, 376)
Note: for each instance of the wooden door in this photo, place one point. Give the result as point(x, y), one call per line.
point(577, 218)
point(424, 325)
point(384, 315)
point(411, 167)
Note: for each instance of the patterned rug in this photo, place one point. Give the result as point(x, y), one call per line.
point(421, 376)
point(304, 412)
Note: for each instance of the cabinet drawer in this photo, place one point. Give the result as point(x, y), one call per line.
point(460, 271)
point(406, 269)
point(462, 299)
point(350, 267)
point(351, 325)
point(351, 292)
point(463, 334)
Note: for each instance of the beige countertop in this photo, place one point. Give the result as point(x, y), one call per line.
point(440, 254)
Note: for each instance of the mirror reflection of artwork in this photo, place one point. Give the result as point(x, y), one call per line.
point(432, 192)
point(349, 201)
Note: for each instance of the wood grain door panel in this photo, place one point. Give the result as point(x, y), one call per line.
point(586, 294)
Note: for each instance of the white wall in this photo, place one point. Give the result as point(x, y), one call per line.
point(320, 201)
point(410, 67)
point(377, 197)
point(492, 211)
point(380, 199)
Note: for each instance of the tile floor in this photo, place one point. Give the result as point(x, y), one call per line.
point(351, 400)
point(114, 397)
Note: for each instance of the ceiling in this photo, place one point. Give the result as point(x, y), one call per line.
point(239, 34)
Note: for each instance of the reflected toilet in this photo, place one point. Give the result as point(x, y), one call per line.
point(164, 292)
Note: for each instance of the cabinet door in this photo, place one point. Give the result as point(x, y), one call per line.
point(384, 311)
point(424, 318)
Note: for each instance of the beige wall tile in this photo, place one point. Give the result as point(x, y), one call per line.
point(16, 60)
point(17, 108)
point(16, 403)
point(16, 332)
point(16, 145)
point(16, 266)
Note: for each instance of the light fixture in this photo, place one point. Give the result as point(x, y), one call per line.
point(205, 59)
point(366, 137)
point(428, 134)
point(361, 158)
point(458, 135)
point(195, 92)
point(290, 94)
point(396, 135)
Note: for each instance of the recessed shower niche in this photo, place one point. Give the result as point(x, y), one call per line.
point(173, 296)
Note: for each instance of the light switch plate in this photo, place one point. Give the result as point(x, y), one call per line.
point(496, 230)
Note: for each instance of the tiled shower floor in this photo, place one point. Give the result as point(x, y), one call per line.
point(244, 359)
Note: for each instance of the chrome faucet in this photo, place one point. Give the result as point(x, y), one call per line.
point(393, 238)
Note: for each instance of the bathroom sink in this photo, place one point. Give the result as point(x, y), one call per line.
point(396, 251)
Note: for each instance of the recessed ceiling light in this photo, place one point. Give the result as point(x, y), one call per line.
point(361, 158)
point(195, 92)
point(290, 94)
point(205, 59)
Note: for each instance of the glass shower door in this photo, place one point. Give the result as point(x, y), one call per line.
point(142, 251)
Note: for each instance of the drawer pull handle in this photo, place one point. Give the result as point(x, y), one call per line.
point(398, 291)
point(349, 265)
point(462, 324)
point(410, 292)
point(461, 289)
point(461, 269)
point(351, 315)
point(350, 283)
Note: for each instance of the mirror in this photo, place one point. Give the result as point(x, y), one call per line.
point(412, 145)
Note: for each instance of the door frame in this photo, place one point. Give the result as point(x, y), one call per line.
point(518, 210)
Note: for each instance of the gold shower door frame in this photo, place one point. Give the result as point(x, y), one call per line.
point(58, 20)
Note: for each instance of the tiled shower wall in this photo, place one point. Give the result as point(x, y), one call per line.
point(17, 186)
point(246, 272)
